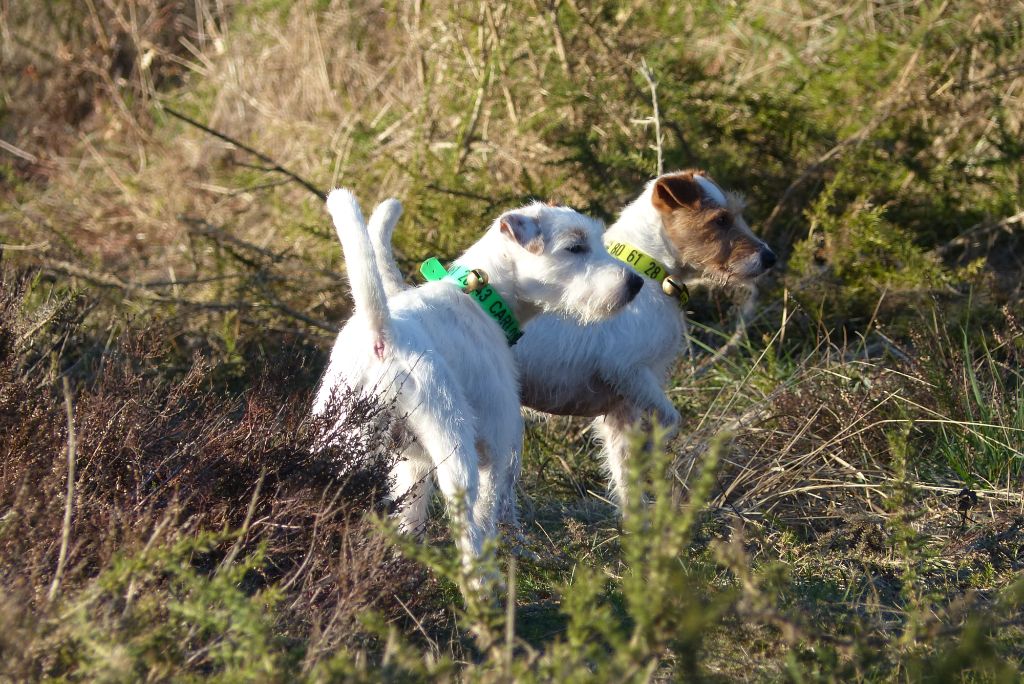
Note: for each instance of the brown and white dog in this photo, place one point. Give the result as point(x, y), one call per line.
point(683, 228)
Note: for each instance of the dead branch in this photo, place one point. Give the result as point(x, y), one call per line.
point(648, 75)
point(980, 229)
point(273, 165)
point(221, 236)
point(145, 291)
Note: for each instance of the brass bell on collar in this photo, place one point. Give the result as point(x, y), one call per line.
point(674, 288)
point(476, 279)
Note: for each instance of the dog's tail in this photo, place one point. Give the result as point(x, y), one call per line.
point(382, 227)
point(368, 292)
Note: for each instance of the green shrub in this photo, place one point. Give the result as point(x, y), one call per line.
point(853, 258)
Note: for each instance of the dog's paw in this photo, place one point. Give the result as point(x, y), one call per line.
point(517, 543)
point(669, 419)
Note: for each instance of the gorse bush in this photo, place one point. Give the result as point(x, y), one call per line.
point(850, 262)
point(155, 614)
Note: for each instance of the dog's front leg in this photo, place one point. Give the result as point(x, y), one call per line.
point(642, 395)
point(615, 432)
point(642, 390)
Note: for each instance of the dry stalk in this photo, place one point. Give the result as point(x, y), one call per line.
point(979, 229)
point(653, 85)
point(65, 536)
point(487, 70)
point(237, 546)
point(18, 152)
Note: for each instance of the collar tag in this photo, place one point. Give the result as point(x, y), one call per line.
point(648, 266)
point(487, 297)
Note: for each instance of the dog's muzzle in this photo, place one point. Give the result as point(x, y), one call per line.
point(633, 286)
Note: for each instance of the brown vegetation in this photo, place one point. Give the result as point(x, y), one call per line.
point(158, 460)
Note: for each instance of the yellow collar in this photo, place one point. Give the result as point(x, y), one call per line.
point(647, 265)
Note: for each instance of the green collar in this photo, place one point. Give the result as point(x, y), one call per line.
point(647, 265)
point(486, 296)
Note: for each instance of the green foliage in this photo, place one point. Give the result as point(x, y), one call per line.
point(983, 387)
point(171, 612)
point(853, 256)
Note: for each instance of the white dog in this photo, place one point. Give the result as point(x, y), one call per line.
point(443, 355)
point(683, 228)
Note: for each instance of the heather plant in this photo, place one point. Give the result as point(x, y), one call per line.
point(137, 506)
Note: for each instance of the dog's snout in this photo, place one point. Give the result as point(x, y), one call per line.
point(633, 285)
point(768, 259)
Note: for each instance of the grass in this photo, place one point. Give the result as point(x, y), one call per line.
point(810, 521)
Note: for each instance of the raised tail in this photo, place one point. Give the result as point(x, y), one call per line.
point(368, 292)
point(382, 227)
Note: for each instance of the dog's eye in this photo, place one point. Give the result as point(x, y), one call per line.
point(579, 248)
point(722, 220)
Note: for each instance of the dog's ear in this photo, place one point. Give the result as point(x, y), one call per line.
point(523, 230)
point(674, 192)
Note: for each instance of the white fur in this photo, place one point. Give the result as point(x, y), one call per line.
point(710, 190)
point(613, 370)
point(446, 364)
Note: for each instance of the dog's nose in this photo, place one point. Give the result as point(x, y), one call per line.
point(633, 286)
point(768, 259)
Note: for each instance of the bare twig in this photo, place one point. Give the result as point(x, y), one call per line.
point(140, 289)
point(144, 290)
point(653, 85)
point(205, 228)
point(465, 144)
point(510, 617)
point(964, 238)
point(237, 546)
point(274, 166)
point(18, 152)
point(65, 536)
point(460, 193)
point(289, 311)
point(42, 246)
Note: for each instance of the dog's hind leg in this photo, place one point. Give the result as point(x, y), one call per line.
point(413, 484)
point(615, 432)
point(444, 426)
point(498, 491)
point(487, 500)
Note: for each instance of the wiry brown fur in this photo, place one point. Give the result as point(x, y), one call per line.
point(710, 238)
